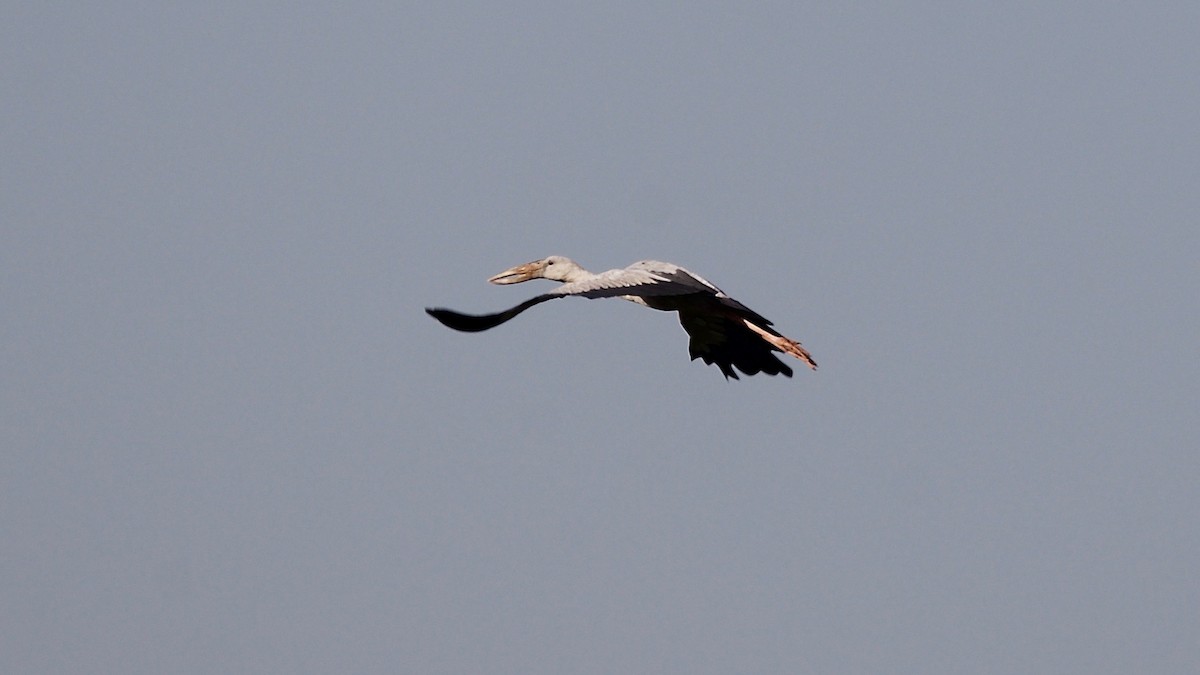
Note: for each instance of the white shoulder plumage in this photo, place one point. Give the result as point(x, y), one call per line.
point(612, 282)
point(674, 272)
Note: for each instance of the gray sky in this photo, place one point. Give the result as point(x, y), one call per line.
point(233, 442)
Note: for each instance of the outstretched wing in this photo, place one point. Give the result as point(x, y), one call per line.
point(679, 277)
point(725, 341)
point(629, 281)
point(473, 323)
point(614, 283)
point(735, 339)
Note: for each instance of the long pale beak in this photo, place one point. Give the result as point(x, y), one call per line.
point(515, 275)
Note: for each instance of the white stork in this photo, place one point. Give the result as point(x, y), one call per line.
point(722, 330)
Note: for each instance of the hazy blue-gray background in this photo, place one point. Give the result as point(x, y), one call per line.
point(233, 442)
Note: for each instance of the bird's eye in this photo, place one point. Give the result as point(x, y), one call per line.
point(549, 262)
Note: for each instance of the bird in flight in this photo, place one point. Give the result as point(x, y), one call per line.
point(723, 331)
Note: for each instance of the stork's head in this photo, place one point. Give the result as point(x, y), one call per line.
point(555, 268)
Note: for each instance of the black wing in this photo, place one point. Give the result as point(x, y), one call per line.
point(473, 323)
point(725, 341)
